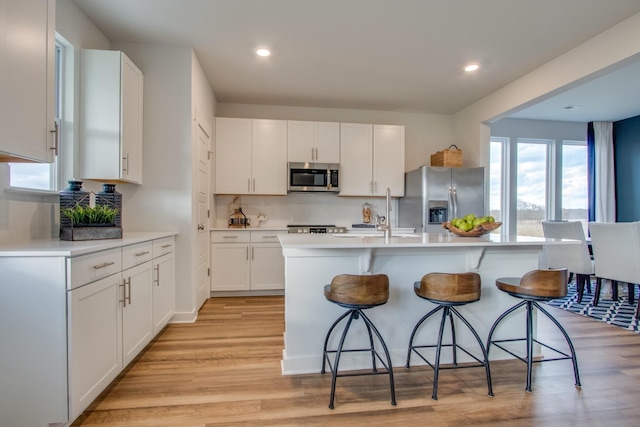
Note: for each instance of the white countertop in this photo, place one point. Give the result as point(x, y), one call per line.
point(55, 247)
point(445, 239)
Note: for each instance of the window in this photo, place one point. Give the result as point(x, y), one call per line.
point(543, 179)
point(42, 176)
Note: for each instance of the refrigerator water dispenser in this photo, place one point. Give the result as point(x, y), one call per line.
point(438, 211)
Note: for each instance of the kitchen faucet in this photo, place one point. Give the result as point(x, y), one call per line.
point(386, 227)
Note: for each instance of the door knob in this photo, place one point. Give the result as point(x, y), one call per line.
point(200, 227)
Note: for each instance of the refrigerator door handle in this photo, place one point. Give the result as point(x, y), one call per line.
point(454, 198)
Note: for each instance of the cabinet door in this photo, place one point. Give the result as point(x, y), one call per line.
point(300, 141)
point(269, 157)
point(230, 267)
point(356, 161)
point(327, 142)
point(163, 291)
point(267, 266)
point(27, 74)
point(136, 312)
point(233, 156)
point(111, 117)
point(95, 355)
point(388, 160)
point(131, 124)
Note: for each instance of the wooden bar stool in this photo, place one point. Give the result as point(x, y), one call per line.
point(536, 285)
point(448, 291)
point(357, 293)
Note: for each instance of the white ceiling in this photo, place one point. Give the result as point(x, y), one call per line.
point(394, 55)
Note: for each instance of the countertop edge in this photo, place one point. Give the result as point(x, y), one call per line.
point(54, 247)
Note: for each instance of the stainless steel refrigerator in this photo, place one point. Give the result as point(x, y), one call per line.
point(434, 195)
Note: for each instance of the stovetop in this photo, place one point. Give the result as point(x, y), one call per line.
point(316, 229)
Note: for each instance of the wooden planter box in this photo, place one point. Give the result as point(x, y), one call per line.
point(91, 233)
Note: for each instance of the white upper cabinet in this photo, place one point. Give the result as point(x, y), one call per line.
point(314, 142)
point(27, 49)
point(251, 156)
point(388, 160)
point(111, 118)
point(371, 159)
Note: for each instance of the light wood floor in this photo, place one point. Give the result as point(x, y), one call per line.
point(225, 370)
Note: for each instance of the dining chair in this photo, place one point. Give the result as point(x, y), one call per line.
point(616, 252)
point(575, 258)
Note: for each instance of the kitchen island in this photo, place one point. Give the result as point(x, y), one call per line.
point(311, 261)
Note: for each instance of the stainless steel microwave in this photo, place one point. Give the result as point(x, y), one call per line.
point(314, 177)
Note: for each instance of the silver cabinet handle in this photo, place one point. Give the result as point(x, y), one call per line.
point(248, 185)
point(247, 253)
point(141, 253)
point(157, 279)
point(126, 283)
point(125, 160)
point(229, 237)
point(254, 185)
point(56, 137)
point(269, 237)
point(168, 245)
point(103, 265)
point(252, 253)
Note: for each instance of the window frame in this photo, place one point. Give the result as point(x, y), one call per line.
point(554, 177)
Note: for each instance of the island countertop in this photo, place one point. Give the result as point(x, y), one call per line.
point(406, 240)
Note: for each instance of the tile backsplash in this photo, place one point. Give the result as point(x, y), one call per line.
point(302, 208)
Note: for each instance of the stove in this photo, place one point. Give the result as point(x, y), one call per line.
point(315, 229)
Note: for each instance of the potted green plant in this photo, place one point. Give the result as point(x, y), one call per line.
point(90, 223)
point(87, 216)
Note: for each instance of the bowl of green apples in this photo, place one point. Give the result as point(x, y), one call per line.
point(471, 226)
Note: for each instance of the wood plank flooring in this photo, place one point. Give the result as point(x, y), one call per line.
point(224, 370)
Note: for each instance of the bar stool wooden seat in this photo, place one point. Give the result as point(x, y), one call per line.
point(448, 291)
point(536, 285)
point(357, 293)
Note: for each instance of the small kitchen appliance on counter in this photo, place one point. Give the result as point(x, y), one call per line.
point(315, 229)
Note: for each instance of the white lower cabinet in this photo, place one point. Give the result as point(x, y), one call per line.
point(163, 291)
point(95, 337)
point(137, 325)
point(246, 261)
point(113, 318)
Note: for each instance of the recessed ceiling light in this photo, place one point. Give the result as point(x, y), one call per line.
point(263, 52)
point(471, 67)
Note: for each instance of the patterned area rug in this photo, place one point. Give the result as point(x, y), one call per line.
point(618, 313)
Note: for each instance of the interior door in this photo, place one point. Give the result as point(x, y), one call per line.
point(203, 153)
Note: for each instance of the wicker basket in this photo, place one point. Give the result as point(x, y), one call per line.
point(449, 158)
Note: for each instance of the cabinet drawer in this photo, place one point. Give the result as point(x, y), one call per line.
point(266, 236)
point(136, 254)
point(89, 268)
point(230, 236)
point(163, 246)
